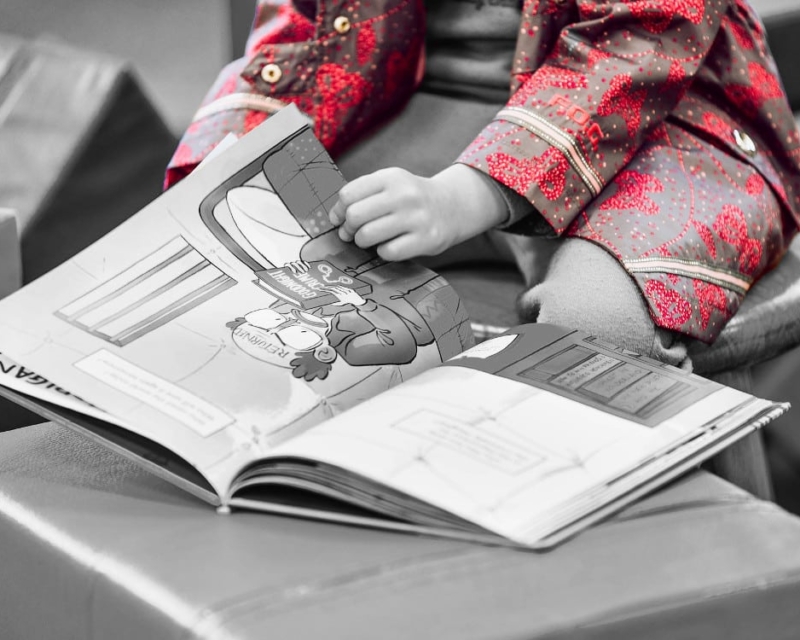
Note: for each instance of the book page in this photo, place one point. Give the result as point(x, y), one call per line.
point(497, 437)
point(228, 316)
point(23, 380)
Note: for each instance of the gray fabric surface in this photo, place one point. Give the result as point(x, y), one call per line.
point(99, 548)
point(446, 124)
point(469, 49)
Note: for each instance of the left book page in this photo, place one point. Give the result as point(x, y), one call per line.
point(227, 315)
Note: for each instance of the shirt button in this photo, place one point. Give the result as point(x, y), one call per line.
point(342, 24)
point(271, 73)
point(744, 142)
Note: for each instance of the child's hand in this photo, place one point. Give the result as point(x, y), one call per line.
point(404, 215)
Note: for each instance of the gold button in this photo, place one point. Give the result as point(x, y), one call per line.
point(271, 73)
point(342, 24)
point(745, 142)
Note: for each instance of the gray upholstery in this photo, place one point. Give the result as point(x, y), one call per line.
point(77, 158)
point(95, 548)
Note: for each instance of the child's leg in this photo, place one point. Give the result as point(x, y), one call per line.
point(586, 288)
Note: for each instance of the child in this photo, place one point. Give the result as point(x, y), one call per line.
point(655, 130)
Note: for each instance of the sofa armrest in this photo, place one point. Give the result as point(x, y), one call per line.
point(10, 259)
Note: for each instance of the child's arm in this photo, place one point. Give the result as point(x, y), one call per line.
point(584, 101)
point(405, 216)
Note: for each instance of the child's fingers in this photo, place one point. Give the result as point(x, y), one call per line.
point(353, 192)
point(381, 229)
point(363, 212)
point(412, 242)
point(336, 214)
point(402, 247)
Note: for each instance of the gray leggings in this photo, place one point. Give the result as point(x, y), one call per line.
point(578, 284)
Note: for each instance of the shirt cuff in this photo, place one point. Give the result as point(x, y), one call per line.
point(523, 218)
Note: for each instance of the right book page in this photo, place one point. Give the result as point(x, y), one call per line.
point(527, 432)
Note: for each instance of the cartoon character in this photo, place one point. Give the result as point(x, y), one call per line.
point(357, 329)
point(264, 229)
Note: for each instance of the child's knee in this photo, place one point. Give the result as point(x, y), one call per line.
point(587, 289)
point(611, 317)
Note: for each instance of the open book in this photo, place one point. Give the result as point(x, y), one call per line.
point(227, 339)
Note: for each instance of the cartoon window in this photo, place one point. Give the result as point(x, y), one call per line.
point(161, 286)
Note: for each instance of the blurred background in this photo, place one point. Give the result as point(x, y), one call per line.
point(176, 47)
point(87, 133)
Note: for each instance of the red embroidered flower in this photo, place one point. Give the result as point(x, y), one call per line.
point(656, 15)
point(365, 44)
point(707, 237)
point(672, 310)
point(548, 172)
point(741, 34)
point(514, 172)
point(596, 55)
point(632, 190)
point(750, 97)
point(340, 91)
point(755, 185)
point(750, 257)
point(709, 297)
point(731, 227)
point(621, 100)
point(675, 77)
point(545, 78)
point(765, 83)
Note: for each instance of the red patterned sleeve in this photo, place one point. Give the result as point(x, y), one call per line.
point(609, 78)
point(234, 105)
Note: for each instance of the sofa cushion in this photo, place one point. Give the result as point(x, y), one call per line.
point(81, 147)
point(95, 547)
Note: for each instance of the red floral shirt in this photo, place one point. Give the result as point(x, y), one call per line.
point(656, 128)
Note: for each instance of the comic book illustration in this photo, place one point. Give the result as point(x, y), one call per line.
point(246, 352)
point(166, 323)
point(522, 435)
point(308, 285)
